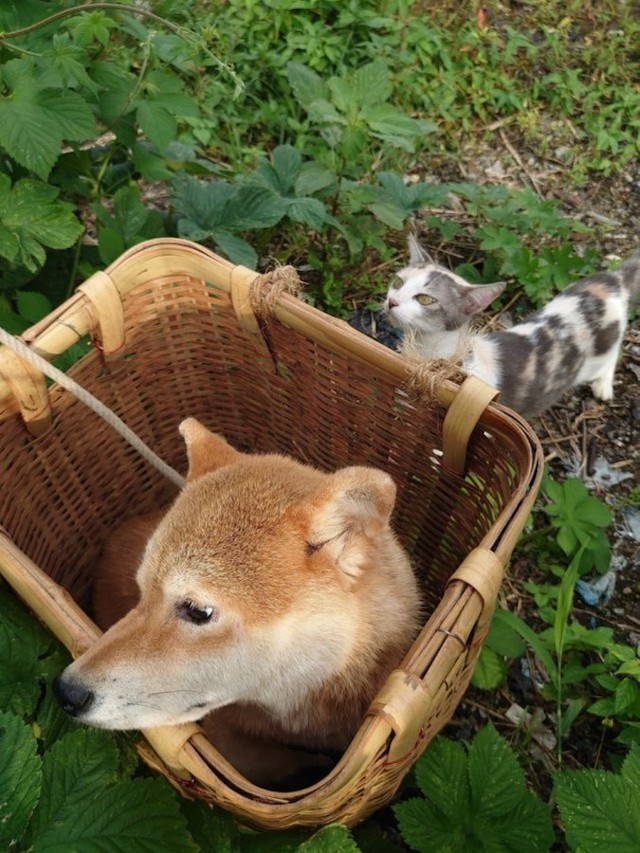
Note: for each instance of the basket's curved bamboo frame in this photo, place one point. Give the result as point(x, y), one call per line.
point(404, 715)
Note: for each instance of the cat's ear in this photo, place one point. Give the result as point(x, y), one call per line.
point(477, 297)
point(417, 255)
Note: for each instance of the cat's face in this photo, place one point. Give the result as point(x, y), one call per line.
point(428, 298)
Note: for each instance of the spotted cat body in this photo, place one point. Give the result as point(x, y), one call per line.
point(575, 339)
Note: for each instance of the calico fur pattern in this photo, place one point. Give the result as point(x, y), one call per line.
point(574, 339)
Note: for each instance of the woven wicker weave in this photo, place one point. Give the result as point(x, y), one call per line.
point(177, 335)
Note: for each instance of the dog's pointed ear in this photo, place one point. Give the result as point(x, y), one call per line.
point(206, 451)
point(418, 255)
point(349, 514)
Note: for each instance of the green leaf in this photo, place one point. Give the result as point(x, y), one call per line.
point(34, 121)
point(236, 249)
point(253, 206)
point(490, 671)
point(626, 695)
point(441, 774)
point(330, 839)
point(502, 637)
point(495, 777)
point(372, 83)
point(600, 811)
point(313, 177)
point(309, 211)
point(427, 830)
point(76, 771)
point(31, 211)
point(32, 306)
point(141, 815)
point(20, 777)
point(157, 123)
point(630, 770)
point(534, 641)
point(287, 163)
point(306, 84)
point(527, 828)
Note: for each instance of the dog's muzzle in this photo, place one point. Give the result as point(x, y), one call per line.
point(72, 695)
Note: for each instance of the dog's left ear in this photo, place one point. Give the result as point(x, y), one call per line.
point(350, 514)
point(206, 450)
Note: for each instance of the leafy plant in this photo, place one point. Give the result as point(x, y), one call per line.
point(580, 520)
point(473, 799)
point(352, 110)
point(601, 810)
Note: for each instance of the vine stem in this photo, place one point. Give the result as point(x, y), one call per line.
point(183, 32)
point(85, 7)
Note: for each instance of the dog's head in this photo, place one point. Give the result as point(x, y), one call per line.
point(250, 591)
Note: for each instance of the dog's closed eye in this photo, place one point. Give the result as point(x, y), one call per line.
point(192, 612)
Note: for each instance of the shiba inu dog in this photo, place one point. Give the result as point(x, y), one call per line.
point(272, 597)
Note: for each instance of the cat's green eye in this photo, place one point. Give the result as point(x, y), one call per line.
point(397, 283)
point(424, 299)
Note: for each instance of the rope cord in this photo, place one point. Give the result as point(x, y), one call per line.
point(93, 403)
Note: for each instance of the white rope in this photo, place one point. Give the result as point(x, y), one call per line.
point(92, 402)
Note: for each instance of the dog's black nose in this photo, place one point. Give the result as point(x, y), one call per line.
point(74, 697)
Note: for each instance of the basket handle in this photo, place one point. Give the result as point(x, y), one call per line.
point(28, 389)
point(461, 419)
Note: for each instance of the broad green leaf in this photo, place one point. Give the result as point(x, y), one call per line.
point(490, 671)
point(34, 122)
point(212, 827)
point(9, 244)
point(313, 177)
point(157, 124)
point(32, 212)
point(495, 777)
point(75, 772)
point(20, 777)
point(391, 215)
point(330, 839)
point(441, 774)
point(287, 163)
point(534, 641)
point(626, 695)
point(201, 203)
point(502, 637)
point(527, 828)
point(600, 811)
point(630, 770)
point(306, 84)
point(385, 120)
point(141, 815)
point(372, 83)
point(324, 112)
point(427, 830)
point(236, 249)
point(309, 211)
point(603, 707)
point(32, 306)
point(253, 206)
point(12, 322)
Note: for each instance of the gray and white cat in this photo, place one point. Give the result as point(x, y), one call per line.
point(574, 339)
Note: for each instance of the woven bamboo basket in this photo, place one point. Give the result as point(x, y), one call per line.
point(181, 332)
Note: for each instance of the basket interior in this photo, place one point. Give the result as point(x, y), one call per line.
point(187, 356)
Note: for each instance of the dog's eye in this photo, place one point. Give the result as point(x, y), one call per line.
point(425, 299)
point(191, 612)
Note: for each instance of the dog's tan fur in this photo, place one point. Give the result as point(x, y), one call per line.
point(314, 604)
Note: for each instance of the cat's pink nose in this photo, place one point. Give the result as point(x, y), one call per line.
point(392, 303)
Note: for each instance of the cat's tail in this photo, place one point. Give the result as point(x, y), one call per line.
point(630, 271)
